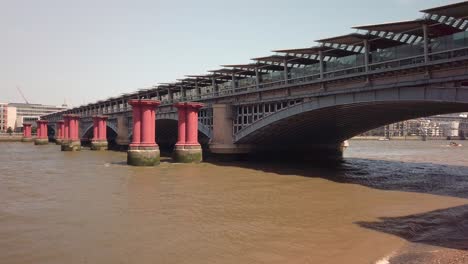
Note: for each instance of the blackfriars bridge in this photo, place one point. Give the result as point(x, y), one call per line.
point(303, 101)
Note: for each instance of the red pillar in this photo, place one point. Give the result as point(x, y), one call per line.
point(146, 125)
point(71, 128)
point(27, 130)
point(59, 127)
point(103, 128)
point(95, 128)
point(42, 129)
point(77, 127)
point(74, 128)
point(136, 139)
point(66, 127)
point(192, 123)
point(188, 123)
point(153, 118)
point(144, 129)
point(181, 110)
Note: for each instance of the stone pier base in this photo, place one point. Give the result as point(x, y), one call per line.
point(99, 145)
point(26, 139)
point(71, 145)
point(58, 141)
point(143, 156)
point(41, 141)
point(187, 154)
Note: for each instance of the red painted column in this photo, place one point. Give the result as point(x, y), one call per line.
point(42, 129)
point(146, 126)
point(59, 126)
point(66, 127)
point(27, 130)
point(153, 130)
point(71, 124)
point(95, 128)
point(136, 138)
point(103, 128)
point(77, 128)
point(192, 123)
point(62, 129)
point(38, 129)
point(182, 112)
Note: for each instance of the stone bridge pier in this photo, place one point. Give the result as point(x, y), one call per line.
point(42, 138)
point(143, 151)
point(26, 132)
point(71, 141)
point(59, 127)
point(187, 148)
point(99, 141)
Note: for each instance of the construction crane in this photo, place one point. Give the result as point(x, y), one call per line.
point(22, 95)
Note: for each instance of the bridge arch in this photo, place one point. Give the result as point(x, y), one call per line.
point(51, 131)
point(88, 132)
point(332, 119)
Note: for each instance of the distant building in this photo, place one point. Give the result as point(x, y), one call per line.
point(440, 126)
point(29, 113)
point(3, 117)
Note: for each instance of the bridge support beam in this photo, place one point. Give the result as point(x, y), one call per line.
point(42, 138)
point(187, 148)
point(143, 151)
point(223, 141)
point(99, 141)
point(71, 141)
point(27, 133)
point(59, 128)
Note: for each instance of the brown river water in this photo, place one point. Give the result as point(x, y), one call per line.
point(387, 202)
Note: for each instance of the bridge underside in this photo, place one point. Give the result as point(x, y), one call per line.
point(167, 132)
point(111, 136)
point(324, 129)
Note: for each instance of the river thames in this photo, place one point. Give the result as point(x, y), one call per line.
point(388, 202)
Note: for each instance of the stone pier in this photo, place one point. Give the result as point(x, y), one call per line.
point(59, 136)
point(71, 140)
point(187, 148)
point(99, 141)
point(143, 151)
point(27, 135)
point(42, 138)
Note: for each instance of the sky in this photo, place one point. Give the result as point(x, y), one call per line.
point(79, 52)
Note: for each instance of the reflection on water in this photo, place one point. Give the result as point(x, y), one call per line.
point(88, 207)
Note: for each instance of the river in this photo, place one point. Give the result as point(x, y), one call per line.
point(388, 202)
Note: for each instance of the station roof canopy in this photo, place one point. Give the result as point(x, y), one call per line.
point(208, 77)
point(327, 51)
point(259, 66)
point(289, 59)
point(413, 27)
point(235, 71)
point(348, 39)
point(457, 10)
point(356, 39)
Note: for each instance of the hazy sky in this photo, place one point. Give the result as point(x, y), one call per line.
point(86, 50)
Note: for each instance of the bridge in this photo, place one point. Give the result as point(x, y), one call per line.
point(303, 101)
